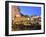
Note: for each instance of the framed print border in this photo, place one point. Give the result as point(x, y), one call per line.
point(7, 17)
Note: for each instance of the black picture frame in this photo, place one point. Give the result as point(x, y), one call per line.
point(7, 17)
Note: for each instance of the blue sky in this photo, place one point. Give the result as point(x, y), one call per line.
point(30, 10)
